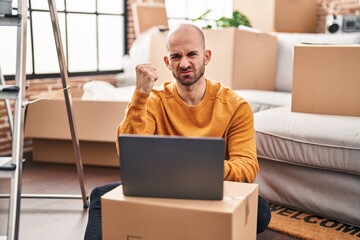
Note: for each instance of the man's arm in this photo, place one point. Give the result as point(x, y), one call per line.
point(242, 165)
point(136, 119)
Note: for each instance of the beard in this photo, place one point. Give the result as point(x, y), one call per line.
point(191, 78)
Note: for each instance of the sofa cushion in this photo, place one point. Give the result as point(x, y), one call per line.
point(262, 100)
point(286, 42)
point(319, 141)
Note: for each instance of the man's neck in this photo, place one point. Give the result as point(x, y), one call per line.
point(193, 94)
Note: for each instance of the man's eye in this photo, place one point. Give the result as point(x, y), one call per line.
point(174, 57)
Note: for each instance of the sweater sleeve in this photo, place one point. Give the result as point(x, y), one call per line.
point(242, 164)
point(137, 120)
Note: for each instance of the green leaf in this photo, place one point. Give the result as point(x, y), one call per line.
point(202, 16)
point(237, 19)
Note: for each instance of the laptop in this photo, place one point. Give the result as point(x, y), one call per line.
point(172, 166)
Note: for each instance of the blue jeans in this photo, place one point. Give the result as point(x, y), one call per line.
point(93, 228)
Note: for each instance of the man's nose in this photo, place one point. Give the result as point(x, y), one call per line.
point(184, 63)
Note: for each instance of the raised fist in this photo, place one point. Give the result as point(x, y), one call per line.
point(146, 76)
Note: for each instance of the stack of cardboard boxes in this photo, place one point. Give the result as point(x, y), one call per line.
point(325, 77)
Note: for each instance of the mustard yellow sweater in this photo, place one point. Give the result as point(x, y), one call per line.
point(221, 113)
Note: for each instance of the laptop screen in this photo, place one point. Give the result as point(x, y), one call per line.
point(172, 166)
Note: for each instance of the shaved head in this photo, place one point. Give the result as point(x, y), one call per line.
point(185, 29)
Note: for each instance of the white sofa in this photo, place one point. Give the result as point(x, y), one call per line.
point(309, 162)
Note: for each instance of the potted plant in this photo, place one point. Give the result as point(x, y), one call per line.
point(236, 20)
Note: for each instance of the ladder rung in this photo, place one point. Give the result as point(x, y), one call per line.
point(9, 91)
point(10, 20)
point(45, 196)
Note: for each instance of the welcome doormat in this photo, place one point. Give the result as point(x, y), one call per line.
point(306, 226)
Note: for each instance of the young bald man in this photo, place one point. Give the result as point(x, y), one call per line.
point(191, 105)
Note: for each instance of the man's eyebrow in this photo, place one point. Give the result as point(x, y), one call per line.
point(193, 51)
point(174, 54)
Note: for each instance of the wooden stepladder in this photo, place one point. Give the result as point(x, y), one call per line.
point(11, 167)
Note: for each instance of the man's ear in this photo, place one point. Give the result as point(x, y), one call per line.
point(207, 56)
point(166, 60)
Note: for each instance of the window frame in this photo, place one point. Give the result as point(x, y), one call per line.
point(30, 35)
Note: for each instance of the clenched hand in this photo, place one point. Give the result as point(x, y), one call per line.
point(146, 76)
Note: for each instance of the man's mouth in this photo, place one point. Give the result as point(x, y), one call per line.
point(185, 72)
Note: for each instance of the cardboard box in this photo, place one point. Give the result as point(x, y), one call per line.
point(233, 218)
point(96, 123)
point(147, 15)
point(255, 59)
point(237, 56)
point(298, 16)
point(326, 79)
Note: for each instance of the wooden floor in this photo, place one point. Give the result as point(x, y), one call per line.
point(62, 219)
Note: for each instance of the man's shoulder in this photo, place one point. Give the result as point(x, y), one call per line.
point(229, 99)
point(224, 93)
